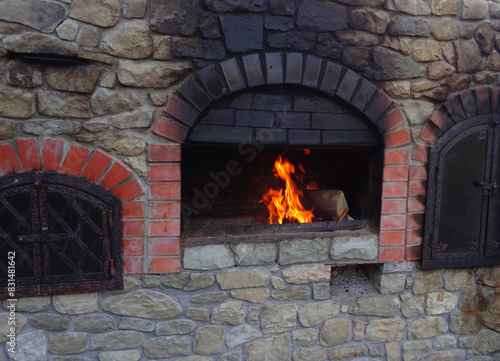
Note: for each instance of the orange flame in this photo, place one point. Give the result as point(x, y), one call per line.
point(285, 203)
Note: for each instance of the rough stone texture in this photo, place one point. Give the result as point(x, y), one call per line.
point(335, 332)
point(385, 330)
point(407, 26)
point(314, 313)
point(292, 293)
point(279, 318)
point(209, 340)
point(474, 10)
point(68, 343)
point(445, 355)
point(138, 324)
point(440, 302)
point(428, 281)
point(390, 283)
point(17, 104)
point(49, 13)
point(445, 7)
point(316, 16)
point(401, 68)
point(252, 295)
point(230, 313)
point(82, 80)
point(129, 40)
point(338, 353)
point(445, 29)
point(198, 314)
point(209, 297)
point(485, 37)
point(413, 351)
point(412, 7)
point(50, 321)
point(129, 355)
point(22, 75)
point(254, 254)
point(31, 346)
point(440, 70)
point(21, 321)
point(303, 250)
point(427, 327)
point(123, 144)
point(464, 323)
point(75, 304)
point(257, 277)
point(361, 247)
point(175, 17)
point(64, 105)
point(304, 337)
point(143, 303)
point(426, 50)
point(208, 257)
point(242, 33)
point(487, 341)
point(103, 13)
point(198, 281)
point(95, 323)
point(371, 20)
point(107, 101)
point(150, 74)
point(32, 304)
point(241, 334)
point(488, 276)
point(306, 274)
point(476, 298)
point(276, 348)
point(468, 56)
point(312, 354)
point(167, 346)
point(376, 306)
point(413, 307)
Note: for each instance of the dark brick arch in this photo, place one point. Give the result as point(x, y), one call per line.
point(200, 91)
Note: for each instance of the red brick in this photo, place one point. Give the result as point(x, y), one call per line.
point(417, 188)
point(96, 166)
point(416, 204)
point(8, 160)
point(429, 134)
point(52, 152)
point(396, 157)
point(395, 173)
point(164, 153)
point(75, 159)
point(133, 210)
point(28, 154)
point(133, 265)
point(394, 254)
point(392, 222)
point(166, 191)
point(170, 129)
point(418, 172)
point(421, 152)
point(164, 246)
point(164, 228)
point(165, 172)
point(117, 174)
point(133, 247)
point(165, 265)
point(414, 236)
point(392, 238)
point(391, 121)
point(394, 189)
point(415, 220)
point(129, 190)
point(133, 228)
point(413, 253)
point(397, 139)
point(393, 205)
point(165, 210)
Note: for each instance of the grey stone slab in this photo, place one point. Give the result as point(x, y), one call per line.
point(311, 71)
point(330, 78)
point(212, 82)
point(293, 68)
point(232, 72)
point(199, 48)
point(243, 32)
point(303, 250)
point(281, 23)
point(363, 95)
point(194, 93)
point(348, 85)
point(274, 68)
point(253, 70)
point(208, 257)
point(321, 16)
point(175, 17)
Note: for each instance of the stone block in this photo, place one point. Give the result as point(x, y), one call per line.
point(194, 93)
point(293, 40)
point(95, 323)
point(50, 321)
point(382, 306)
point(440, 302)
point(17, 104)
point(230, 313)
point(488, 276)
point(75, 304)
point(293, 68)
point(427, 281)
point(304, 337)
point(413, 351)
point(321, 291)
point(254, 118)
point(209, 297)
point(252, 295)
point(198, 314)
point(313, 314)
point(385, 330)
point(242, 32)
point(212, 82)
point(49, 14)
point(175, 327)
point(427, 327)
point(253, 70)
point(339, 353)
point(31, 346)
point(209, 340)
point(274, 68)
point(292, 293)
point(129, 355)
point(198, 281)
point(233, 76)
point(279, 318)
point(208, 257)
point(406, 26)
point(241, 334)
point(311, 354)
point(137, 324)
point(254, 254)
point(388, 283)
point(307, 274)
point(167, 346)
point(360, 247)
point(276, 348)
point(123, 39)
point(115, 340)
point(321, 17)
point(257, 277)
point(68, 343)
point(335, 332)
point(311, 71)
point(32, 304)
point(330, 78)
point(303, 250)
point(151, 74)
point(363, 95)
point(281, 23)
point(177, 17)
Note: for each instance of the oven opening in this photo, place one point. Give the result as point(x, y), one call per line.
point(237, 192)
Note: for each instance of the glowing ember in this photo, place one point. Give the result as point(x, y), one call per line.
point(285, 203)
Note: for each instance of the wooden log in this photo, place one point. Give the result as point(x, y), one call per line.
point(328, 204)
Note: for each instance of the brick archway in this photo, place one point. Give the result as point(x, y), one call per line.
point(198, 92)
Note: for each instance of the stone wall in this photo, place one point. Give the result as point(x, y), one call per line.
point(268, 313)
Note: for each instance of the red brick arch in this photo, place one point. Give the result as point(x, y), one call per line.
point(31, 154)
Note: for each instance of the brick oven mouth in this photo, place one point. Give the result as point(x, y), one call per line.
point(223, 186)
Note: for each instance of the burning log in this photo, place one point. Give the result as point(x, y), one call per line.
point(328, 204)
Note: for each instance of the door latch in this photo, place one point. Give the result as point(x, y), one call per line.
point(488, 188)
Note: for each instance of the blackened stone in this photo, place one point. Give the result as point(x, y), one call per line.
point(311, 72)
point(303, 137)
point(485, 37)
point(242, 33)
point(222, 134)
point(348, 85)
point(279, 23)
point(193, 92)
point(371, 3)
point(24, 75)
point(293, 40)
point(469, 58)
point(406, 26)
point(282, 7)
point(363, 95)
point(274, 68)
point(293, 68)
point(196, 48)
point(253, 70)
point(321, 16)
point(236, 5)
point(356, 58)
point(209, 26)
point(233, 75)
point(329, 49)
point(330, 78)
point(174, 17)
point(393, 65)
point(212, 82)
point(253, 118)
point(41, 15)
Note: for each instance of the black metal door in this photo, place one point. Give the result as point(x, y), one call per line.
point(462, 208)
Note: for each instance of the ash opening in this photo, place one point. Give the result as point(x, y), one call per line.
point(352, 282)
